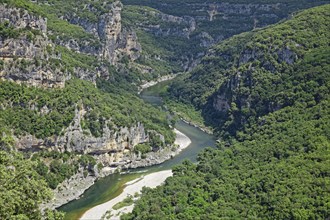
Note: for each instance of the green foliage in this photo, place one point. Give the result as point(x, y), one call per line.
point(99, 166)
point(60, 28)
point(154, 47)
point(87, 160)
point(260, 72)
point(22, 188)
point(273, 156)
point(55, 167)
point(53, 215)
point(86, 9)
point(162, 53)
point(66, 31)
point(123, 109)
point(142, 148)
point(185, 111)
point(7, 31)
point(174, 48)
point(126, 202)
point(277, 169)
point(174, 7)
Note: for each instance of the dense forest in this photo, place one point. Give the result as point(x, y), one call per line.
point(278, 169)
point(109, 102)
point(254, 73)
point(22, 187)
point(270, 164)
point(231, 17)
point(264, 93)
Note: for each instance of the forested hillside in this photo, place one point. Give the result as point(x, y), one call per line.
point(271, 98)
point(69, 109)
point(68, 106)
point(277, 169)
point(254, 73)
point(190, 27)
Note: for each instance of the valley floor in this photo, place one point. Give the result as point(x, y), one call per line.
point(151, 180)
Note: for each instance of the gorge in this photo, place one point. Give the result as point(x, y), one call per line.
point(77, 109)
point(115, 182)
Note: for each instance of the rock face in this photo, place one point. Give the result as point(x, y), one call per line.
point(203, 24)
point(69, 190)
point(116, 42)
point(30, 56)
point(115, 148)
point(22, 19)
point(27, 57)
point(181, 26)
point(226, 10)
point(114, 140)
point(231, 89)
point(109, 30)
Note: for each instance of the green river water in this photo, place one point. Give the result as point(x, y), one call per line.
point(111, 186)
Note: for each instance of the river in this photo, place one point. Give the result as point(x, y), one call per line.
point(111, 186)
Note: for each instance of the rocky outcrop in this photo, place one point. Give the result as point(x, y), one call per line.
point(226, 10)
point(29, 72)
point(22, 19)
point(284, 55)
point(115, 148)
point(111, 43)
point(74, 187)
point(28, 56)
point(115, 41)
point(110, 29)
point(118, 42)
point(221, 103)
point(69, 190)
point(231, 90)
point(167, 25)
point(114, 140)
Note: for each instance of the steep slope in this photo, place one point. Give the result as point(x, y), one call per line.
point(66, 95)
point(68, 71)
point(34, 54)
point(91, 44)
point(189, 27)
point(280, 170)
point(258, 72)
point(272, 90)
point(22, 188)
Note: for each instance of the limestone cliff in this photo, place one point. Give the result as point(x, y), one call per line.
point(28, 56)
point(232, 89)
point(34, 51)
point(115, 148)
point(195, 26)
point(116, 41)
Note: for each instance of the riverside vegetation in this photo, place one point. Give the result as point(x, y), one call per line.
point(265, 93)
point(272, 162)
point(45, 113)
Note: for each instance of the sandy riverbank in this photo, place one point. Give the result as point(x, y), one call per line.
point(154, 82)
point(181, 139)
point(151, 180)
